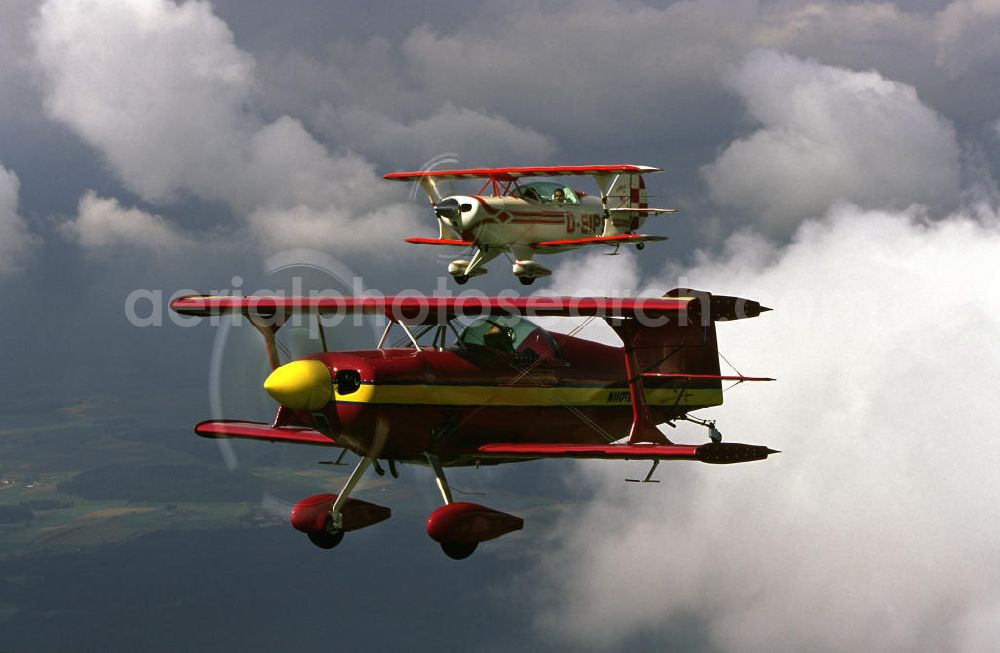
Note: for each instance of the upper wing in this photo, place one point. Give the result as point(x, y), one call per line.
point(428, 309)
point(507, 174)
point(259, 431)
point(620, 239)
point(710, 452)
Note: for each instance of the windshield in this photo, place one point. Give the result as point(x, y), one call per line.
point(547, 192)
point(512, 336)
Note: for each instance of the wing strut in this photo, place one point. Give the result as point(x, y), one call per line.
point(268, 329)
point(643, 429)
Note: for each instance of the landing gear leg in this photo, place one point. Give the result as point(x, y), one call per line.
point(442, 482)
point(462, 271)
point(335, 521)
point(333, 531)
point(324, 518)
point(714, 434)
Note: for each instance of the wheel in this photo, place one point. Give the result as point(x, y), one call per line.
point(640, 246)
point(461, 279)
point(459, 550)
point(327, 538)
point(526, 281)
point(714, 434)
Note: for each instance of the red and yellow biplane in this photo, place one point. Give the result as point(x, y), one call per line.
point(540, 217)
point(475, 382)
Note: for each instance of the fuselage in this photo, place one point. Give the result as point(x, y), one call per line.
point(510, 220)
point(448, 402)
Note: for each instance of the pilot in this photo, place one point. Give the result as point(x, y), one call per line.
point(498, 339)
point(559, 196)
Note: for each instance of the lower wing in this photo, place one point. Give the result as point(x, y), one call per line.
point(710, 452)
point(621, 239)
point(440, 241)
point(222, 429)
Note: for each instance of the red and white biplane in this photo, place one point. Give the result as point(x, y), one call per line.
point(539, 217)
point(474, 382)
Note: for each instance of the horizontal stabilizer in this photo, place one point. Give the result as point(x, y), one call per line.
point(440, 241)
point(259, 431)
point(621, 239)
point(646, 211)
point(710, 452)
point(722, 308)
point(695, 377)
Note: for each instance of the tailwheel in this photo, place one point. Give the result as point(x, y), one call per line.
point(327, 538)
point(526, 281)
point(640, 246)
point(461, 279)
point(459, 550)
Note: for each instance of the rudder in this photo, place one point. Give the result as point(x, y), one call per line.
point(627, 192)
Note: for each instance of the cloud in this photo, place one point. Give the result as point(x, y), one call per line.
point(830, 134)
point(18, 97)
point(585, 75)
point(873, 530)
point(164, 93)
point(967, 33)
point(332, 228)
point(477, 137)
point(102, 223)
point(949, 56)
point(15, 240)
point(582, 63)
point(158, 88)
point(881, 35)
point(569, 59)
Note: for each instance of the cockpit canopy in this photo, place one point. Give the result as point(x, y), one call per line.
point(509, 335)
point(546, 192)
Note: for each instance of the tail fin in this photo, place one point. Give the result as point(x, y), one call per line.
point(689, 346)
point(675, 348)
point(626, 192)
